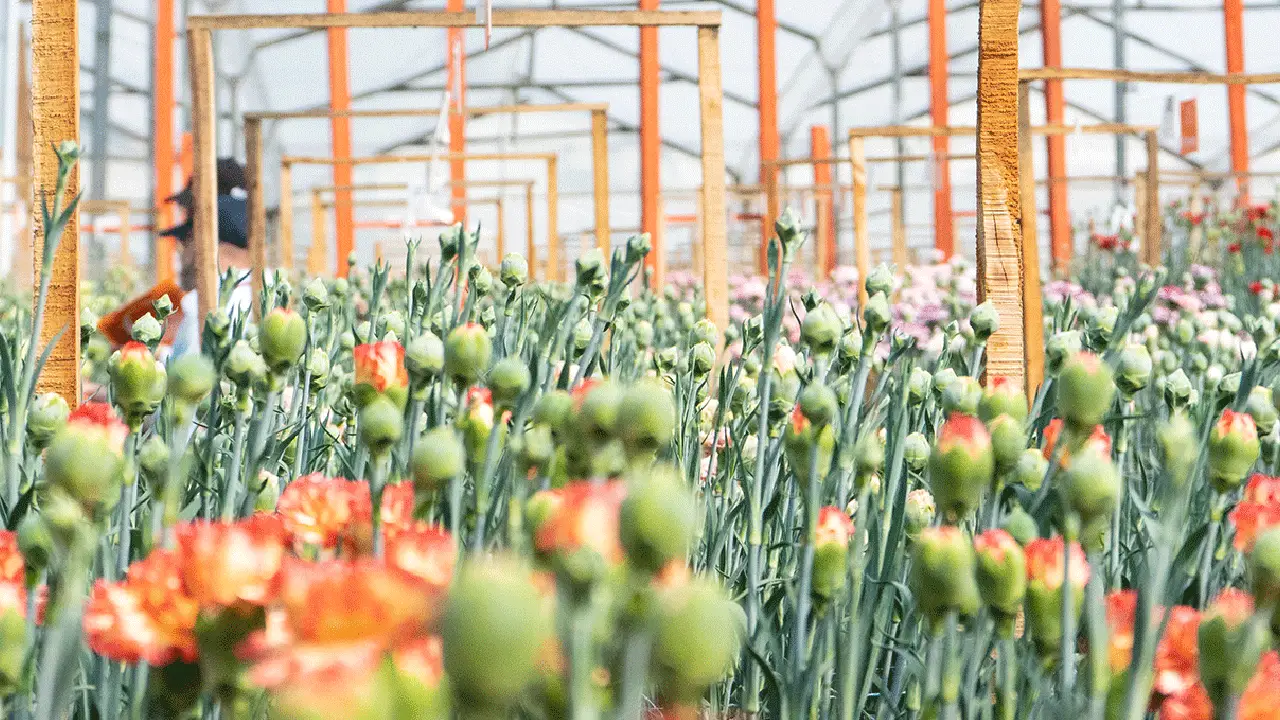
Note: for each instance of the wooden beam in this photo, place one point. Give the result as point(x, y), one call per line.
point(715, 276)
point(472, 111)
point(861, 233)
point(163, 104)
point(1150, 76)
point(600, 177)
point(999, 251)
point(204, 145)
point(55, 50)
point(895, 131)
point(393, 159)
point(285, 251)
point(1032, 294)
point(501, 18)
point(1152, 240)
point(651, 150)
point(257, 209)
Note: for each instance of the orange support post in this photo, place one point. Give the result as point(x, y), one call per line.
point(820, 149)
point(1233, 21)
point(1059, 221)
point(457, 62)
point(650, 148)
point(340, 101)
point(163, 136)
point(767, 64)
point(939, 104)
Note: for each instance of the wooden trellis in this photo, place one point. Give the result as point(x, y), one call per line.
point(253, 147)
point(200, 31)
point(553, 199)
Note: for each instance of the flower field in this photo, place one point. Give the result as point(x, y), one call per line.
point(449, 491)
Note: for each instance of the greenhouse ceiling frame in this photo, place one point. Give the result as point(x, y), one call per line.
point(200, 31)
point(254, 152)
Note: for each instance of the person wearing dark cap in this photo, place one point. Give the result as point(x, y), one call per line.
point(233, 247)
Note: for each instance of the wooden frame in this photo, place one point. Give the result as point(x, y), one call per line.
point(123, 210)
point(254, 149)
point(553, 197)
point(200, 29)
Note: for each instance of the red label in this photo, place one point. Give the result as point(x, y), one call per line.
point(1190, 127)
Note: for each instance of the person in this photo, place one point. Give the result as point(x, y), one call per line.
point(233, 250)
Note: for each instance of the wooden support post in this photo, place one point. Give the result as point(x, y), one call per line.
point(340, 125)
point(502, 233)
point(899, 236)
point(600, 174)
point(861, 233)
point(1238, 121)
point(824, 197)
point(715, 275)
point(530, 247)
point(124, 212)
point(318, 254)
point(553, 220)
point(651, 147)
point(285, 233)
point(1032, 295)
point(204, 185)
point(999, 252)
point(162, 135)
point(767, 66)
point(1140, 205)
point(1154, 231)
point(56, 110)
point(257, 208)
point(939, 107)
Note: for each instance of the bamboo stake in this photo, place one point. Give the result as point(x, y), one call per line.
point(124, 213)
point(530, 249)
point(999, 251)
point(899, 237)
point(1032, 297)
point(861, 233)
point(1140, 205)
point(600, 173)
point(285, 249)
point(1155, 218)
point(553, 222)
point(204, 184)
point(502, 231)
point(56, 113)
point(257, 209)
point(318, 255)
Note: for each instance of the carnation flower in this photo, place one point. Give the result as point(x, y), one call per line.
point(148, 616)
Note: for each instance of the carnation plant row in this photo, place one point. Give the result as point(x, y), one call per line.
point(444, 493)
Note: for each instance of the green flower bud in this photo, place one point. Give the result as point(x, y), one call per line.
point(1178, 389)
point(1178, 448)
point(705, 331)
point(381, 425)
point(13, 650)
point(698, 638)
point(1085, 390)
point(553, 409)
point(315, 295)
point(47, 415)
point(35, 542)
point(638, 246)
point(1031, 469)
point(1008, 441)
point(1134, 368)
point(798, 439)
point(877, 315)
point(1233, 449)
point(818, 404)
point(147, 330)
point(880, 280)
point(514, 271)
point(282, 336)
point(392, 323)
point(1020, 525)
point(985, 321)
point(916, 451)
point(589, 267)
point(962, 396)
point(244, 366)
point(657, 519)
point(919, 511)
point(961, 466)
point(821, 329)
point(702, 358)
point(1001, 572)
point(466, 354)
point(508, 379)
point(424, 358)
point(918, 385)
point(644, 333)
point(191, 378)
point(218, 325)
point(1046, 573)
point(1261, 407)
point(438, 458)
point(942, 573)
point(135, 374)
point(1060, 347)
point(1002, 397)
point(85, 460)
point(1091, 489)
point(537, 448)
point(646, 419)
point(153, 462)
point(493, 631)
point(318, 368)
point(1231, 643)
point(868, 455)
